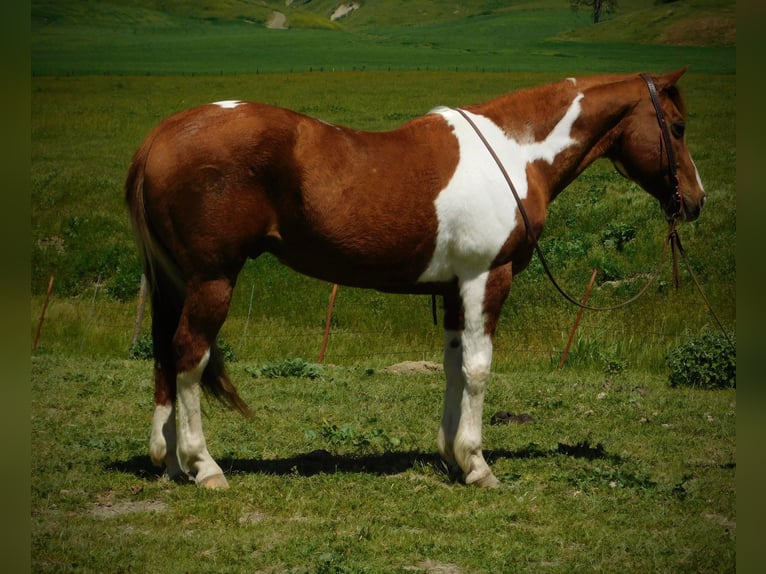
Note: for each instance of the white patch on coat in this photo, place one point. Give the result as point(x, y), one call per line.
point(228, 104)
point(476, 211)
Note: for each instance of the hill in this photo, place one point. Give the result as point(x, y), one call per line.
point(232, 36)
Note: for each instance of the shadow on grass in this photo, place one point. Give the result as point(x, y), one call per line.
point(387, 463)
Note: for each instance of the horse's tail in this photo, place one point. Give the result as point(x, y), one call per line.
point(167, 288)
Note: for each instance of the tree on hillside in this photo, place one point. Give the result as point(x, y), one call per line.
point(599, 7)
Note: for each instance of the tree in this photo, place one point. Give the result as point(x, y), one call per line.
point(598, 6)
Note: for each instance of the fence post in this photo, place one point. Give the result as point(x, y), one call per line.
point(327, 323)
point(577, 319)
point(42, 314)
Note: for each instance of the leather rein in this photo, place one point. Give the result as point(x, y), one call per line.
point(671, 239)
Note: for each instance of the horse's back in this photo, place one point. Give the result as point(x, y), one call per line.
point(229, 181)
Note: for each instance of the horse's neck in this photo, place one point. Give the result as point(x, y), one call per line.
point(547, 111)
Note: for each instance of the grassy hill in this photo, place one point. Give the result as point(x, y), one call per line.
point(230, 36)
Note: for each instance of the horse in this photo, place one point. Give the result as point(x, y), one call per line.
point(424, 208)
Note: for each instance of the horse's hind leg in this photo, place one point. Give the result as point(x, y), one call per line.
point(204, 311)
point(165, 316)
point(162, 443)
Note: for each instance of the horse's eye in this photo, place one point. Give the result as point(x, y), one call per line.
point(678, 129)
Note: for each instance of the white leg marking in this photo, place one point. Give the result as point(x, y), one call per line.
point(162, 443)
point(453, 371)
point(477, 361)
point(193, 455)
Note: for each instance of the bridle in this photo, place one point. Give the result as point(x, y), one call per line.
point(672, 238)
point(678, 199)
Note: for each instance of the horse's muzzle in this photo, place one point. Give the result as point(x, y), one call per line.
point(683, 211)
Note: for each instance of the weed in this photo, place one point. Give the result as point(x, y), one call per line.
point(374, 440)
point(613, 365)
point(595, 476)
point(143, 349)
point(296, 367)
point(707, 361)
point(618, 234)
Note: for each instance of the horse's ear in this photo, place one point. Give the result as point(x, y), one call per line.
point(667, 80)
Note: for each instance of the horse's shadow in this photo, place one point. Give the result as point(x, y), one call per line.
point(386, 463)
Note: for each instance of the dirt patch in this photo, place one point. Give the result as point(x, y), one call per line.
point(108, 510)
point(344, 10)
point(252, 517)
point(413, 368)
point(434, 567)
point(728, 524)
point(507, 418)
point(702, 31)
point(53, 243)
point(277, 21)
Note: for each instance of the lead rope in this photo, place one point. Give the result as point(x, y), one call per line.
point(672, 239)
point(675, 240)
point(533, 238)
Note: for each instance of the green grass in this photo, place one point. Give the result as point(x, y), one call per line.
point(85, 129)
point(619, 471)
point(77, 38)
point(604, 478)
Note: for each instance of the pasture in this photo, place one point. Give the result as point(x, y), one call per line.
point(617, 468)
point(338, 472)
point(614, 472)
point(82, 237)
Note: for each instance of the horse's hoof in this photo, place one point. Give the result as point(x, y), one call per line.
point(214, 482)
point(486, 481)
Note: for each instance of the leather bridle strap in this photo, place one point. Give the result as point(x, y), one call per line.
point(665, 131)
point(533, 238)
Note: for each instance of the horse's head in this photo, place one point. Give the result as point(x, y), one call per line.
point(651, 149)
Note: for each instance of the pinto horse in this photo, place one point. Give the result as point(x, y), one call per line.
point(425, 208)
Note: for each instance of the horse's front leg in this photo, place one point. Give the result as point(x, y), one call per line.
point(453, 372)
point(467, 363)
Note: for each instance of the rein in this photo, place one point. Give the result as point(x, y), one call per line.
point(675, 242)
point(671, 233)
point(671, 238)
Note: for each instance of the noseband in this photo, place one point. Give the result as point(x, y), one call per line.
point(678, 200)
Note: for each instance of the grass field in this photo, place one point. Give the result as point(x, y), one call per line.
point(615, 473)
point(618, 471)
point(85, 130)
point(76, 38)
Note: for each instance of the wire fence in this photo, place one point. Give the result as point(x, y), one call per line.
point(371, 329)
